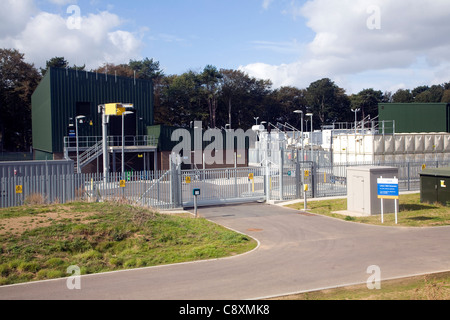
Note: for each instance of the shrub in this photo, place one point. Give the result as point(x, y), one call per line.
point(4, 270)
point(115, 261)
point(34, 199)
point(28, 267)
point(55, 262)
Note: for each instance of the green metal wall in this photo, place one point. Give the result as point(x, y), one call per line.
point(54, 103)
point(42, 117)
point(417, 117)
point(164, 135)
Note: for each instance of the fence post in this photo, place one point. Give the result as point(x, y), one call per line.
point(409, 176)
point(313, 179)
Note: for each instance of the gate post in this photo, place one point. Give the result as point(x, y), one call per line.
point(171, 178)
point(175, 180)
point(235, 176)
point(267, 179)
point(281, 173)
point(298, 175)
point(179, 186)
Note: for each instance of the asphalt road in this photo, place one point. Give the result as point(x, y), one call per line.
point(297, 252)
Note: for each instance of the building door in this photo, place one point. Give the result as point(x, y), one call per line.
point(358, 198)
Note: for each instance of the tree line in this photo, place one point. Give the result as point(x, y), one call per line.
point(220, 98)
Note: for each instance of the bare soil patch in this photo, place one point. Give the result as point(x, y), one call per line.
point(19, 225)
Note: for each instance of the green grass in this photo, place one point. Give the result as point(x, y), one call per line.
point(112, 237)
point(412, 212)
point(428, 287)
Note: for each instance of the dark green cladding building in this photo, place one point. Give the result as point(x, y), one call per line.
point(416, 117)
point(64, 94)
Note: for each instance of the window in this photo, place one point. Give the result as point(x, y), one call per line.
point(83, 109)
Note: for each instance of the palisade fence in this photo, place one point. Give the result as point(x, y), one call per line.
point(173, 189)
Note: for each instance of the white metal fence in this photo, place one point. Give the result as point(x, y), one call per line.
point(172, 189)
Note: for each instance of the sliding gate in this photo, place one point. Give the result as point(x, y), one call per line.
point(223, 186)
point(238, 185)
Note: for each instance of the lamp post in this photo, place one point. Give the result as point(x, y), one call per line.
point(123, 141)
point(303, 154)
point(76, 134)
point(356, 119)
point(311, 138)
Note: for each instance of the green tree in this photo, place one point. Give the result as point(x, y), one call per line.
point(59, 62)
point(18, 80)
point(402, 96)
point(286, 100)
point(233, 85)
point(242, 98)
point(146, 69)
point(180, 100)
point(431, 95)
point(210, 78)
point(446, 96)
point(367, 100)
point(257, 104)
point(417, 91)
point(328, 102)
point(121, 70)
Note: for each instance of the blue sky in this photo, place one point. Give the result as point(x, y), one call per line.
point(381, 44)
point(189, 34)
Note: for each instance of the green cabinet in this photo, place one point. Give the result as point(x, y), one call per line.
point(435, 186)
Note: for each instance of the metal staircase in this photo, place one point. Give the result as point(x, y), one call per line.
point(87, 156)
point(91, 154)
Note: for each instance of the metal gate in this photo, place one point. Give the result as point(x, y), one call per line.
point(223, 186)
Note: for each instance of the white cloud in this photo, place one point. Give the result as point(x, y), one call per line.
point(14, 16)
point(42, 35)
point(345, 46)
point(63, 2)
point(266, 4)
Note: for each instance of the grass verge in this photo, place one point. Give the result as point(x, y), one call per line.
point(412, 212)
point(427, 287)
point(41, 242)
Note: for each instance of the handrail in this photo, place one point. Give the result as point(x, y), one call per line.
point(91, 154)
point(90, 141)
point(86, 154)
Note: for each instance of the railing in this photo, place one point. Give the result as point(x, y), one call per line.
point(70, 143)
point(91, 154)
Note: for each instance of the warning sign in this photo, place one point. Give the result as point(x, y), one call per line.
point(122, 183)
point(19, 189)
point(188, 180)
point(251, 176)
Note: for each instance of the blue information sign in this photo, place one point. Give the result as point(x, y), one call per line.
point(388, 189)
